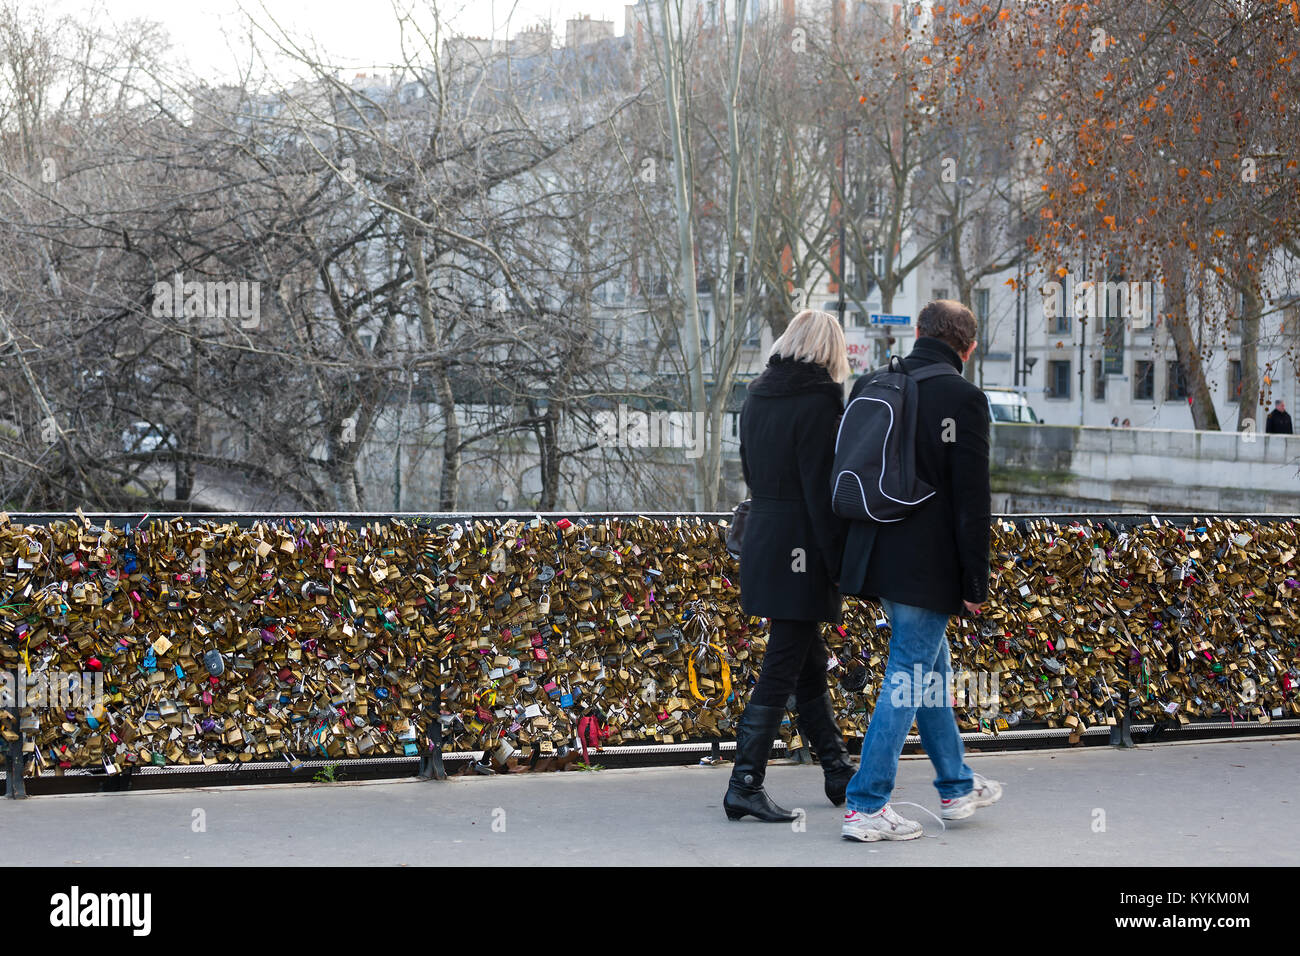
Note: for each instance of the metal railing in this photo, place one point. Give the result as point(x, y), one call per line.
point(431, 764)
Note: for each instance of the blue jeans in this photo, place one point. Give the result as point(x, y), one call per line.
point(918, 647)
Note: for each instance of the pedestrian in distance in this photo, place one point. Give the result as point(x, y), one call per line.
point(1278, 421)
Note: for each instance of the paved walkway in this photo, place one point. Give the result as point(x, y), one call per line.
point(1208, 803)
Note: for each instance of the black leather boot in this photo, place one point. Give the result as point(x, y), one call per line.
point(817, 721)
point(745, 793)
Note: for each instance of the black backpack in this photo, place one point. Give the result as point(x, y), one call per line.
point(874, 475)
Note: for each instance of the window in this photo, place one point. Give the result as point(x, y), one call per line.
point(1059, 324)
point(1144, 380)
point(938, 293)
point(1290, 325)
point(856, 285)
point(1098, 381)
point(704, 328)
point(875, 205)
point(1113, 326)
point(1175, 382)
point(877, 260)
point(1058, 379)
point(945, 240)
point(1234, 379)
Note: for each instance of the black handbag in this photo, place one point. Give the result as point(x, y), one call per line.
point(736, 532)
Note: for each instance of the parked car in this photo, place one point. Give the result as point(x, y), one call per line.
point(1009, 405)
point(145, 436)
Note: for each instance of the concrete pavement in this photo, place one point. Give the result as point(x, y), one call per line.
point(1206, 803)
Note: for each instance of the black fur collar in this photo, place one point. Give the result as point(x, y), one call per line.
point(787, 376)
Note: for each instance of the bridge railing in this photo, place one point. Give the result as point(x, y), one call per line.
point(182, 642)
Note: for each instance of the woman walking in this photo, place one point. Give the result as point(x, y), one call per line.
point(790, 557)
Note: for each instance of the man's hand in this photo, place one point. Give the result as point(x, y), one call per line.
point(973, 608)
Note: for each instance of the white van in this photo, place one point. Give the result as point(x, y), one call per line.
point(1009, 405)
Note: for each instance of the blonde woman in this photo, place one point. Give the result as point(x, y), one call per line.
point(790, 558)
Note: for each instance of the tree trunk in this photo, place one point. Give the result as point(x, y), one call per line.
point(188, 439)
point(1189, 353)
point(674, 103)
point(1248, 405)
point(550, 459)
point(449, 481)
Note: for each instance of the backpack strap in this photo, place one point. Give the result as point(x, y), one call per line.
point(920, 375)
point(934, 369)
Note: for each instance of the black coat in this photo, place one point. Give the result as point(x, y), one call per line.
point(790, 557)
point(1277, 423)
point(937, 556)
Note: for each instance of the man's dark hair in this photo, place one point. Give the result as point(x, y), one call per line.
point(948, 321)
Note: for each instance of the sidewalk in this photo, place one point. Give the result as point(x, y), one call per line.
point(1213, 803)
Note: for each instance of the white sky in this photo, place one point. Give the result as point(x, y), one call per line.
point(360, 33)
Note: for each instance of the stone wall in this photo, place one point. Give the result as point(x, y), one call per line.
point(1040, 468)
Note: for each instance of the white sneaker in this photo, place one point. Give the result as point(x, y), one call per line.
point(986, 793)
point(884, 824)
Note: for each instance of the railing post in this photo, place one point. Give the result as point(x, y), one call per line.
point(431, 767)
point(15, 785)
point(1120, 734)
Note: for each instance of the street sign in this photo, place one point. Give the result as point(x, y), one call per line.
point(878, 319)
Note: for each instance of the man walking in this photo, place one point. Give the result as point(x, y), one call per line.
point(923, 569)
point(1278, 421)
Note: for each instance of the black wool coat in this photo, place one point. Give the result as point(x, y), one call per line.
point(938, 556)
point(790, 556)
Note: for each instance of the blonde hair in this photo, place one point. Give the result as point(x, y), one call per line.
point(815, 336)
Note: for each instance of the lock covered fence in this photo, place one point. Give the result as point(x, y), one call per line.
point(202, 640)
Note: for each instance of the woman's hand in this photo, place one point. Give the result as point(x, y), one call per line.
point(973, 608)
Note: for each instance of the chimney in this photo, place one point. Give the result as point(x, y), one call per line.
point(583, 30)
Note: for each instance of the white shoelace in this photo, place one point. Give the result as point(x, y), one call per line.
point(942, 826)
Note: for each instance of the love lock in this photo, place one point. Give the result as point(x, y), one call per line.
point(649, 690)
